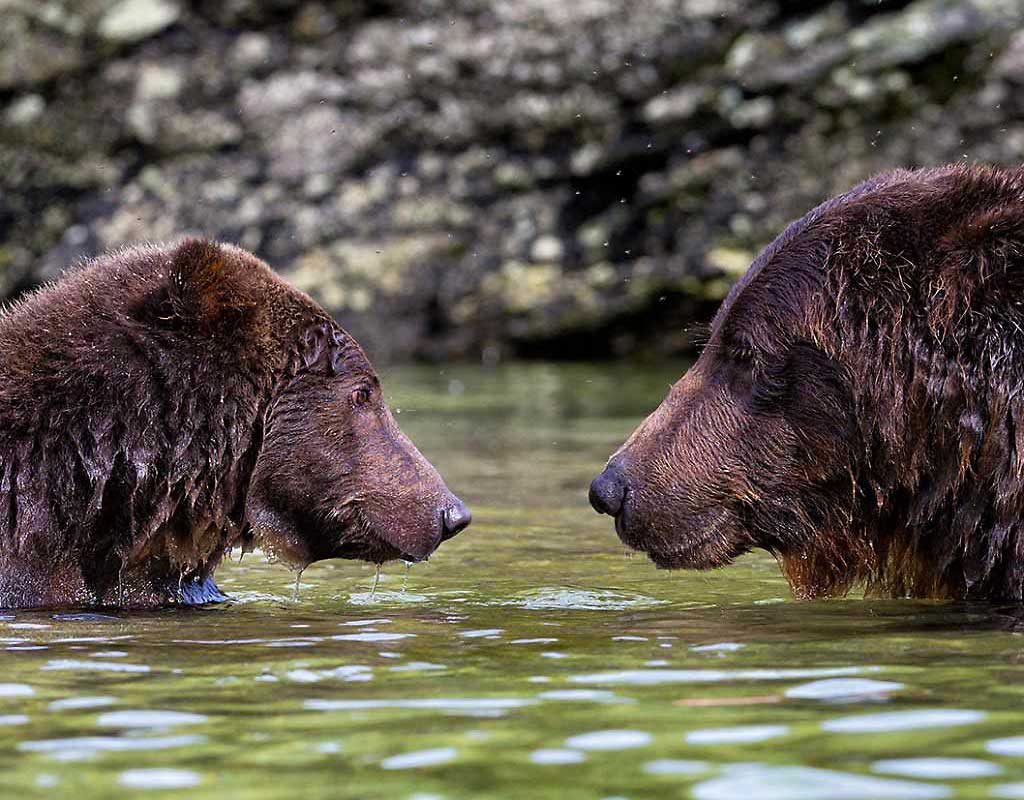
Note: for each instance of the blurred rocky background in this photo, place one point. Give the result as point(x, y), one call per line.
point(483, 178)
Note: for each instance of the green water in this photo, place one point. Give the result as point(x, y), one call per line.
point(531, 658)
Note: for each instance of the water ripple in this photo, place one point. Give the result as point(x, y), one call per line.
point(420, 758)
point(89, 744)
point(675, 766)
point(451, 704)
point(73, 703)
point(145, 718)
point(937, 768)
point(904, 720)
point(1010, 746)
point(93, 666)
point(743, 734)
point(800, 783)
point(371, 637)
point(556, 756)
point(589, 695)
point(609, 740)
point(654, 677)
point(843, 689)
point(159, 778)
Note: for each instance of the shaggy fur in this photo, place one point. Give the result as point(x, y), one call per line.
point(160, 406)
point(858, 410)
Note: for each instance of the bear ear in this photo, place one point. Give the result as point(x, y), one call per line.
point(201, 286)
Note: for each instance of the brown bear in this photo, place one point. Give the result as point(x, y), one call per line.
point(160, 406)
point(858, 410)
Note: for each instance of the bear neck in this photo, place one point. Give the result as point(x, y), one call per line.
point(939, 465)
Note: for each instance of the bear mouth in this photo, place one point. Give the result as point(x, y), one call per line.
point(374, 549)
point(697, 556)
point(709, 550)
point(362, 540)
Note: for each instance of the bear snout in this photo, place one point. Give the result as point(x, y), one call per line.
point(454, 519)
point(608, 490)
point(419, 543)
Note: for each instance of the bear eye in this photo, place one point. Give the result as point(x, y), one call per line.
point(360, 396)
point(741, 353)
point(770, 387)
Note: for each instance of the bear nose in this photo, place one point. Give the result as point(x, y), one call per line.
point(608, 491)
point(455, 519)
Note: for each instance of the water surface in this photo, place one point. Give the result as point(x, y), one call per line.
point(531, 657)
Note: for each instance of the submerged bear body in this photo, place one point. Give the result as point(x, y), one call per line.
point(162, 405)
point(859, 408)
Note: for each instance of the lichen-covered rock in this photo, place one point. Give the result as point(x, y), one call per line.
point(455, 178)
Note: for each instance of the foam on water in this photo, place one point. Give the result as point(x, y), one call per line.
point(386, 598)
point(583, 600)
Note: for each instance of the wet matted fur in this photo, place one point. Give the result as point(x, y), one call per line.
point(858, 409)
point(161, 405)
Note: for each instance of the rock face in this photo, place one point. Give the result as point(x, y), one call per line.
point(479, 178)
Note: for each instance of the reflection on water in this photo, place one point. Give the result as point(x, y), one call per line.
point(530, 658)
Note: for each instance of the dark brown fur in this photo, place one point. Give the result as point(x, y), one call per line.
point(858, 409)
point(160, 406)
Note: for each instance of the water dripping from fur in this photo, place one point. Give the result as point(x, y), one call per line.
point(376, 580)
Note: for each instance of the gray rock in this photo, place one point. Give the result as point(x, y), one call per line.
point(134, 20)
point(926, 27)
point(475, 178)
point(37, 47)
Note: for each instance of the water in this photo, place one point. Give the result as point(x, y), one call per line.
point(529, 658)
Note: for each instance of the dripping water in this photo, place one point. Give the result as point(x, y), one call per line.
point(376, 580)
